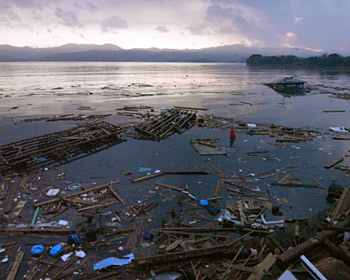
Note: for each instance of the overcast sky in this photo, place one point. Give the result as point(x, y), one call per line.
point(314, 24)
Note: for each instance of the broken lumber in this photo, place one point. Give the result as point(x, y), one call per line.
point(333, 163)
point(15, 266)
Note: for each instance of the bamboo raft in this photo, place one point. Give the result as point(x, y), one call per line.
point(165, 124)
point(58, 148)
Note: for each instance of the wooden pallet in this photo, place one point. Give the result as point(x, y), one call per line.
point(58, 148)
point(165, 124)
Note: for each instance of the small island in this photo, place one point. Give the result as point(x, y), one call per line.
point(325, 60)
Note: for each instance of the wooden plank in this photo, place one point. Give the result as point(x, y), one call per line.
point(19, 207)
point(170, 187)
point(147, 177)
point(96, 206)
point(219, 186)
point(333, 163)
point(293, 185)
point(217, 170)
point(15, 266)
point(12, 189)
point(134, 237)
point(337, 208)
point(117, 195)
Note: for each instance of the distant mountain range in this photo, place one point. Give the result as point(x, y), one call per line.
point(109, 52)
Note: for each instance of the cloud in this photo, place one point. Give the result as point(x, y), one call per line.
point(27, 4)
point(297, 19)
point(69, 18)
point(112, 23)
point(290, 34)
point(215, 12)
point(162, 28)
point(227, 30)
point(197, 29)
point(91, 6)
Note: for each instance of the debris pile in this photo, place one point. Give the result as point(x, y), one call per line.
point(148, 227)
point(58, 148)
point(168, 122)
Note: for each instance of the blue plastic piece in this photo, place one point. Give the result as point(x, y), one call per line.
point(37, 250)
point(203, 202)
point(112, 261)
point(56, 250)
point(73, 239)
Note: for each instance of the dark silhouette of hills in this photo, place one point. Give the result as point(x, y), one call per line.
point(326, 60)
point(109, 52)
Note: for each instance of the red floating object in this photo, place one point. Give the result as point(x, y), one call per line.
point(232, 133)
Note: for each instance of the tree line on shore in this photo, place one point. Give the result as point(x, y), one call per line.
point(325, 60)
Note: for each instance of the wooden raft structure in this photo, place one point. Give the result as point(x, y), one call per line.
point(58, 148)
point(165, 124)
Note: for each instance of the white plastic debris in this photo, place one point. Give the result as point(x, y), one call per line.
point(53, 192)
point(251, 124)
point(63, 222)
point(2, 250)
point(4, 260)
point(80, 254)
point(65, 257)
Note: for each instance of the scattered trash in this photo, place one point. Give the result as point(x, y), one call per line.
point(203, 202)
point(65, 257)
point(80, 254)
point(53, 192)
point(74, 186)
point(144, 169)
point(56, 250)
point(37, 250)
point(112, 261)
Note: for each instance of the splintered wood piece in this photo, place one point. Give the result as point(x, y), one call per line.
point(173, 245)
point(262, 268)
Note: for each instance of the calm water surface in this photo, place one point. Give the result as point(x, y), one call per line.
point(45, 89)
